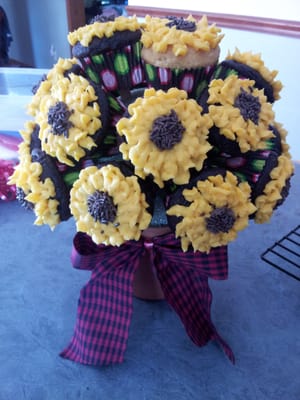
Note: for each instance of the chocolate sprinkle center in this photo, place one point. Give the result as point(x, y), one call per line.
point(101, 207)
point(221, 220)
point(181, 24)
point(167, 131)
point(58, 118)
point(249, 106)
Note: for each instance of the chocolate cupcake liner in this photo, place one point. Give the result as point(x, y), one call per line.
point(116, 70)
point(194, 81)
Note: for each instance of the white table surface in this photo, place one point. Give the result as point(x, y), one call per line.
point(15, 93)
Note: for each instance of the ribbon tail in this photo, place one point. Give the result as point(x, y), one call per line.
point(103, 317)
point(188, 293)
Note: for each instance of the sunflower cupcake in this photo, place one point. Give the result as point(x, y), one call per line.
point(210, 211)
point(165, 136)
point(62, 69)
point(254, 167)
point(247, 65)
point(241, 115)
point(109, 206)
point(72, 117)
point(38, 182)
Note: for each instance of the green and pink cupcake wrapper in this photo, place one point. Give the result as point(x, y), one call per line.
point(194, 81)
point(116, 70)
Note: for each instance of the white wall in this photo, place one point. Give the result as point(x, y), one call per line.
point(49, 27)
point(17, 15)
point(39, 30)
point(288, 9)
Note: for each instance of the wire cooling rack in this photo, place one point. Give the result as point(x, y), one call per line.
point(285, 254)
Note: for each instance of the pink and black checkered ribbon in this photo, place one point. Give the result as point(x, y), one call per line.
point(106, 301)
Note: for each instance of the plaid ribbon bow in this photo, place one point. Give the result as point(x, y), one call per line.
point(106, 301)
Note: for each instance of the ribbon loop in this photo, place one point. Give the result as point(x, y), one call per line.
point(105, 305)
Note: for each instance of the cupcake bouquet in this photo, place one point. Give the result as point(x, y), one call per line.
point(145, 127)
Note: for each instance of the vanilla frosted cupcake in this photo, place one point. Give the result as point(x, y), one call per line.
point(180, 52)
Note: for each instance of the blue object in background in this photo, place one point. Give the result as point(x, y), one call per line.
point(5, 38)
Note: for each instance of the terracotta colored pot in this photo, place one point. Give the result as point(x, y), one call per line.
point(146, 285)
